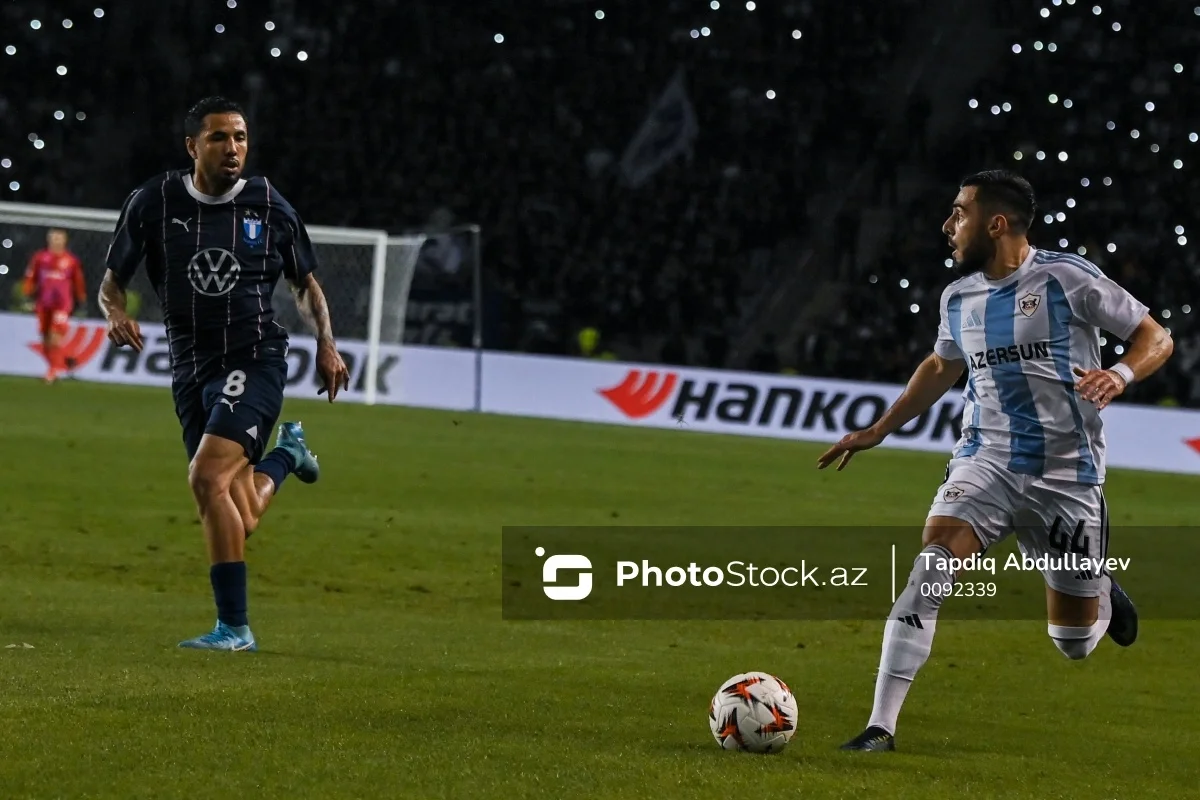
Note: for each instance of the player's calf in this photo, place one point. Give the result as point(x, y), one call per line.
point(908, 633)
point(252, 492)
point(211, 474)
point(255, 487)
point(907, 643)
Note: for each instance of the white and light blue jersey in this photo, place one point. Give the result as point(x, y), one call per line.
point(1020, 337)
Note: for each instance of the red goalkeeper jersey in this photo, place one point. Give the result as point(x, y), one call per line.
point(55, 280)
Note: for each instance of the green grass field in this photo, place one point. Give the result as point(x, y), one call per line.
point(387, 671)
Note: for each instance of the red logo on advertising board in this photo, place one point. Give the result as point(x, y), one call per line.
point(641, 394)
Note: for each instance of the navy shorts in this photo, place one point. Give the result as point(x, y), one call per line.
point(242, 405)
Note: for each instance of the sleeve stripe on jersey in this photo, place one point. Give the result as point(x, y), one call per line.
point(1044, 257)
point(954, 319)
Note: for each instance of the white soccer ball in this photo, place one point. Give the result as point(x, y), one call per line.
point(755, 712)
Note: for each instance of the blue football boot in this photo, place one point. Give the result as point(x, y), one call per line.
point(291, 439)
point(223, 637)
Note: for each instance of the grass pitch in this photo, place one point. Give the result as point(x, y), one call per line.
point(387, 671)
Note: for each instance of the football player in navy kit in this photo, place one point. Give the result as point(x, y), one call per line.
point(214, 245)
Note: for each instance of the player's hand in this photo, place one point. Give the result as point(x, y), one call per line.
point(332, 370)
point(850, 444)
point(124, 331)
point(1098, 386)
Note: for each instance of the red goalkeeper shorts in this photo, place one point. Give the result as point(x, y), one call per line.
point(53, 320)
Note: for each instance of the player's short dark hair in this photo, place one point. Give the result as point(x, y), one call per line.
point(193, 122)
point(1005, 192)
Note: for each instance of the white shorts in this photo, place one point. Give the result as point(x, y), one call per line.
point(1049, 517)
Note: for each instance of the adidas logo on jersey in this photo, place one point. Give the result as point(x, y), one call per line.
point(912, 621)
point(972, 321)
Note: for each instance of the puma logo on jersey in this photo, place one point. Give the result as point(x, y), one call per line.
point(183, 222)
point(230, 403)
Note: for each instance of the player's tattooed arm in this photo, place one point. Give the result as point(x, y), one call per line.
point(310, 299)
point(330, 366)
point(121, 329)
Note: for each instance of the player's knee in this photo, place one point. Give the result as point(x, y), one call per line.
point(207, 483)
point(952, 534)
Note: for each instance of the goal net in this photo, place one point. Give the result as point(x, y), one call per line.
point(366, 276)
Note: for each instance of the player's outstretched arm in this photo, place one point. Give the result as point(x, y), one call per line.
point(310, 300)
point(1149, 348)
point(121, 329)
point(932, 379)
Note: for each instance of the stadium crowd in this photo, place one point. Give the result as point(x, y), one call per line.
point(415, 115)
point(1109, 139)
point(447, 123)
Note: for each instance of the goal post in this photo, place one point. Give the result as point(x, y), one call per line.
point(444, 294)
point(367, 276)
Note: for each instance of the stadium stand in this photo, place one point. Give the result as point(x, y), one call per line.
point(519, 117)
point(1108, 137)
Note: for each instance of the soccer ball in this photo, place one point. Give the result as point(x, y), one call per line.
point(755, 712)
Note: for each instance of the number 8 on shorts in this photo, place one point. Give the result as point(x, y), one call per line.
point(235, 384)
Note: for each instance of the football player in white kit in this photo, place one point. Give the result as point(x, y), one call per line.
point(1025, 324)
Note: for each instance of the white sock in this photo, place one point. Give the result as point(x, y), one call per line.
point(908, 635)
point(1079, 642)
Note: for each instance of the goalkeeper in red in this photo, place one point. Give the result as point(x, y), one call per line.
point(55, 280)
point(215, 244)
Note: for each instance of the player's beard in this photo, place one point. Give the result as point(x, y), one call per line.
point(975, 256)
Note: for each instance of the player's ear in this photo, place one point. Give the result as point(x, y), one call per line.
point(998, 226)
point(190, 144)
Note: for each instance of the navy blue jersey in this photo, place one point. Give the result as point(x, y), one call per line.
point(214, 263)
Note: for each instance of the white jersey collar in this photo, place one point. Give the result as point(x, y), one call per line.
point(208, 199)
point(1015, 275)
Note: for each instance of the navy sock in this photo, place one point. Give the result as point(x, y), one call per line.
point(277, 465)
point(229, 590)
